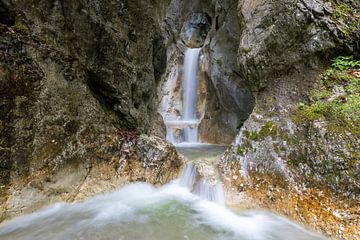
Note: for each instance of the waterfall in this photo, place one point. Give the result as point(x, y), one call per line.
point(188, 124)
point(190, 86)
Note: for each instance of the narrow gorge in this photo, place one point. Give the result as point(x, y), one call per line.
point(170, 119)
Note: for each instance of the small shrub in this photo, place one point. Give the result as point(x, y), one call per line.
point(345, 63)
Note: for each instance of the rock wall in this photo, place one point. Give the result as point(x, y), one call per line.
point(225, 101)
point(71, 73)
point(297, 167)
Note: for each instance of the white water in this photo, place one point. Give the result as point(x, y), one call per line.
point(143, 212)
point(190, 86)
point(188, 122)
point(189, 125)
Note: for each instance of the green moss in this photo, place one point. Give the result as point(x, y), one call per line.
point(353, 86)
point(269, 129)
point(241, 151)
point(345, 17)
point(20, 28)
point(341, 11)
point(319, 94)
point(219, 62)
point(350, 109)
point(340, 110)
point(254, 136)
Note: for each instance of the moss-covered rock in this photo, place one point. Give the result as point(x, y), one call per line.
point(302, 136)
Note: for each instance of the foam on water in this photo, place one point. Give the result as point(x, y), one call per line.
point(141, 211)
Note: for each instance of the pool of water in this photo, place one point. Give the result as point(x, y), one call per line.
point(194, 151)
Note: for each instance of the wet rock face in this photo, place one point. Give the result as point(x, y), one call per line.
point(225, 99)
point(70, 74)
point(283, 48)
point(117, 159)
point(195, 30)
point(279, 35)
point(229, 99)
point(119, 58)
point(281, 57)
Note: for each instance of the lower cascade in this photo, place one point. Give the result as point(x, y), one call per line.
point(141, 211)
point(209, 190)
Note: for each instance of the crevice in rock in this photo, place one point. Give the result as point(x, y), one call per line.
point(7, 13)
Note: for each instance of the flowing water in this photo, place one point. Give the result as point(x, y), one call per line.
point(143, 212)
point(188, 122)
point(190, 208)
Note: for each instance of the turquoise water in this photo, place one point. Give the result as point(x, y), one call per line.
point(141, 211)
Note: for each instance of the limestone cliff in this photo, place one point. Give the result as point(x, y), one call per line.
point(71, 74)
point(287, 160)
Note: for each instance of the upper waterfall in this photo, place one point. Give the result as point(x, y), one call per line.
point(189, 121)
point(190, 83)
point(190, 86)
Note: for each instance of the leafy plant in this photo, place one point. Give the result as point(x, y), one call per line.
point(345, 63)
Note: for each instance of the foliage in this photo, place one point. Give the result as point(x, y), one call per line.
point(269, 129)
point(345, 17)
point(219, 62)
point(336, 96)
point(345, 63)
point(342, 10)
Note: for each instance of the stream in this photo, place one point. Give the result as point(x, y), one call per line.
point(143, 212)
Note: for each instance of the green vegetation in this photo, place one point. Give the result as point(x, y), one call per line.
point(20, 28)
point(219, 62)
point(345, 63)
point(268, 129)
point(336, 96)
point(241, 151)
point(345, 17)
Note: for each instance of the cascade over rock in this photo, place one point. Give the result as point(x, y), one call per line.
point(81, 83)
